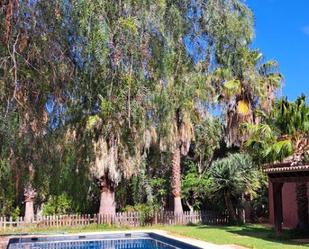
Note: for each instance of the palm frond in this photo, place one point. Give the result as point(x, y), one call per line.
point(232, 87)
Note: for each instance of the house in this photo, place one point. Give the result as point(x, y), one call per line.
point(289, 205)
point(282, 193)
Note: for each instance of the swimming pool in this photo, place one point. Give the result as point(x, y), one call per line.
point(103, 241)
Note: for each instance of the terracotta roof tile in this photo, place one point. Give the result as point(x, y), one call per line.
point(278, 169)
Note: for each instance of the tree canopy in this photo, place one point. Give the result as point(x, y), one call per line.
point(114, 106)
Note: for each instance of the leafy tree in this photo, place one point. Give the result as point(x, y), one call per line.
point(158, 184)
point(93, 93)
point(7, 188)
point(125, 49)
point(28, 81)
point(208, 135)
point(194, 187)
point(242, 80)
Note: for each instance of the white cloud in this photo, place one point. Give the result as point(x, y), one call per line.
point(305, 29)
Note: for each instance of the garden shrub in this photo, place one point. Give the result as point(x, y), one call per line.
point(61, 204)
point(146, 211)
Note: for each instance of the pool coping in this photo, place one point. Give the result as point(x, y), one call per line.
point(182, 239)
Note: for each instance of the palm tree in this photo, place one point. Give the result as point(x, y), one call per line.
point(284, 136)
point(175, 131)
point(187, 88)
point(248, 85)
point(127, 52)
point(184, 133)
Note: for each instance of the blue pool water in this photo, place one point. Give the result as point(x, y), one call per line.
point(103, 241)
point(100, 244)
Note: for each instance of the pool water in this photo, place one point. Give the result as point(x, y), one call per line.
point(133, 240)
point(99, 244)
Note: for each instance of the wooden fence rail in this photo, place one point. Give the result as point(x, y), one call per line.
point(132, 219)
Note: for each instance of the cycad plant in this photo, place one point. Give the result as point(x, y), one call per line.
point(231, 177)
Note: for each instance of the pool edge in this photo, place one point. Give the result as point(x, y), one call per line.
point(192, 243)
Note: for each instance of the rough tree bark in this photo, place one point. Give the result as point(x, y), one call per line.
point(107, 201)
point(176, 181)
point(29, 194)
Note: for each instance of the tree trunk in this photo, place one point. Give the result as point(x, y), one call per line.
point(176, 181)
point(190, 207)
point(29, 211)
point(247, 207)
point(107, 201)
point(302, 205)
point(229, 206)
point(29, 194)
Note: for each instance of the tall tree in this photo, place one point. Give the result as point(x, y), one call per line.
point(122, 51)
point(242, 80)
point(249, 85)
point(215, 31)
point(28, 77)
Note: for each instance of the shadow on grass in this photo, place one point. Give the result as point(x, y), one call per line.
point(263, 233)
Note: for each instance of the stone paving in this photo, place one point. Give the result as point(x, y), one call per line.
point(3, 242)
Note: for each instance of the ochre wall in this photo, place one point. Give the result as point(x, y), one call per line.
point(290, 219)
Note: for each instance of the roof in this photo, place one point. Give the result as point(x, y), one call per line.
point(282, 168)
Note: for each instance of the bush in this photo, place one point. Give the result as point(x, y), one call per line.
point(61, 204)
point(16, 213)
point(146, 211)
point(7, 193)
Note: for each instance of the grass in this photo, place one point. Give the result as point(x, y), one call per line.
point(250, 236)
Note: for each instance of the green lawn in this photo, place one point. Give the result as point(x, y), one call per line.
point(251, 236)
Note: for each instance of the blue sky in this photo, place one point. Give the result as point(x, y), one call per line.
point(282, 33)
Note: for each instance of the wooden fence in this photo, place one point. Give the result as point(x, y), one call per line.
point(132, 219)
